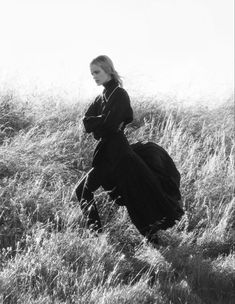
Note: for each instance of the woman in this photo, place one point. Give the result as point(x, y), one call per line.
point(140, 176)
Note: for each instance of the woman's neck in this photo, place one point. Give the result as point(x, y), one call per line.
point(112, 82)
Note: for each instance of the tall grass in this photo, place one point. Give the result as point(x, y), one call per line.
point(47, 256)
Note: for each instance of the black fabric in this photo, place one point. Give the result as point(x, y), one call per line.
point(84, 191)
point(162, 165)
point(104, 118)
point(141, 176)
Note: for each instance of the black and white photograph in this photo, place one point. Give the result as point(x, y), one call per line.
point(117, 152)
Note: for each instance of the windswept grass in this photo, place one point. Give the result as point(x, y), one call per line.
point(47, 256)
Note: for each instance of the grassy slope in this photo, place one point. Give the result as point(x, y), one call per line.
point(48, 257)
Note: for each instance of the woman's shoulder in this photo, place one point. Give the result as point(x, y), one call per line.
point(97, 99)
point(122, 92)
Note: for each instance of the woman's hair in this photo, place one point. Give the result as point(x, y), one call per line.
point(107, 65)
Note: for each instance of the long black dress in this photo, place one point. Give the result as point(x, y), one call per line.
point(140, 176)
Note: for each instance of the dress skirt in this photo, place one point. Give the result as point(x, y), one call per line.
point(144, 178)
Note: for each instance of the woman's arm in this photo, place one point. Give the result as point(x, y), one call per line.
point(92, 118)
point(92, 123)
point(119, 111)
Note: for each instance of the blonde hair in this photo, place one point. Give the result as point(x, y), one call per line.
point(106, 64)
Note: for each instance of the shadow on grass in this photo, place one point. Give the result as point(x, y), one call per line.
point(201, 273)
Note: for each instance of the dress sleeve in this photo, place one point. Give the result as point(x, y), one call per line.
point(92, 119)
point(119, 111)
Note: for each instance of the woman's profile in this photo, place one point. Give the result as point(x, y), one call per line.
point(140, 176)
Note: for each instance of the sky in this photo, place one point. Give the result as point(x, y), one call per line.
point(183, 48)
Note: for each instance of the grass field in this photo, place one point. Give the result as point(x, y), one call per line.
point(47, 256)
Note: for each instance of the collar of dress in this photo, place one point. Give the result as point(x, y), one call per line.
point(109, 89)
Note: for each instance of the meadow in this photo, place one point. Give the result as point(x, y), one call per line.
point(47, 255)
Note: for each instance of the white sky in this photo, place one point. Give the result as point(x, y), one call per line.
point(181, 47)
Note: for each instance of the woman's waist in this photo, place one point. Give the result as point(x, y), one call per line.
point(112, 148)
point(114, 137)
point(110, 135)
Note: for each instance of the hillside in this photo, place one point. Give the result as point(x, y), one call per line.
point(47, 256)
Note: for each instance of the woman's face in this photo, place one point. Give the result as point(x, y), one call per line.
point(99, 75)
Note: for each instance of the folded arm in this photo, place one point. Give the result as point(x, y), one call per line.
point(92, 117)
point(115, 115)
point(92, 123)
